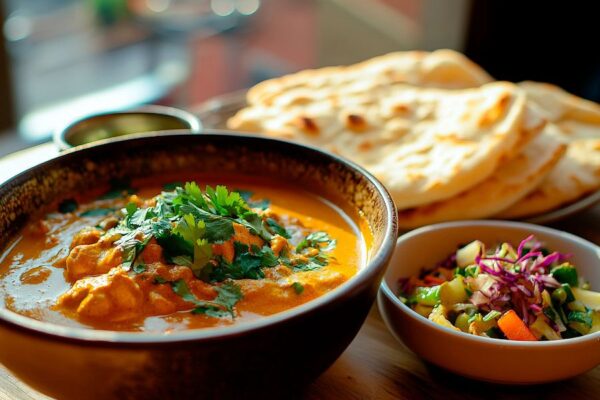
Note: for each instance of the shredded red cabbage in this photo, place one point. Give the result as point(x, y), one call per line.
point(519, 282)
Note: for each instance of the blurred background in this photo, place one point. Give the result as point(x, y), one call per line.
point(63, 59)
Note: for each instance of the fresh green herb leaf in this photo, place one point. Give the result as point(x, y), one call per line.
point(262, 204)
point(159, 280)
point(228, 295)
point(67, 206)
point(247, 264)
point(256, 226)
point(97, 212)
point(139, 268)
point(315, 240)
point(319, 241)
point(226, 203)
point(246, 194)
point(298, 287)
point(277, 229)
point(131, 208)
point(223, 305)
point(171, 186)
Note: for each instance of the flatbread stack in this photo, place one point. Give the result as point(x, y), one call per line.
point(447, 141)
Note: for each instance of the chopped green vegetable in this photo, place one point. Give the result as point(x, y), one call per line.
point(97, 212)
point(277, 229)
point(169, 187)
point(223, 305)
point(428, 296)
point(262, 204)
point(247, 264)
point(492, 315)
point(159, 280)
point(565, 273)
point(298, 288)
point(139, 268)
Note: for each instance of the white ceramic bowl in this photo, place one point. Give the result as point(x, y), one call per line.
point(494, 360)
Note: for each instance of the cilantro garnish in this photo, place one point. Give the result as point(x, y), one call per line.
point(278, 229)
point(315, 247)
point(188, 222)
point(97, 212)
point(314, 240)
point(139, 268)
point(247, 264)
point(169, 187)
point(262, 204)
point(227, 296)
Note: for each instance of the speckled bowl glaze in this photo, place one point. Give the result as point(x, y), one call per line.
point(272, 357)
point(493, 360)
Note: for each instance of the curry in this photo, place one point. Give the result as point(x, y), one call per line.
point(177, 256)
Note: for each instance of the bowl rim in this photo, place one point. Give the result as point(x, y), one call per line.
point(425, 230)
point(60, 135)
point(96, 336)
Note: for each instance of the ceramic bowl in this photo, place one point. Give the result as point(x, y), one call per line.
point(268, 357)
point(494, 360)
point(107, 125)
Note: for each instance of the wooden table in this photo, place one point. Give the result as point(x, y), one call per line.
point(376, 366)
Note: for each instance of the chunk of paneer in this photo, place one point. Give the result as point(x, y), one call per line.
point(278, 243)
point(92, 259)
point(114, 296)
point(86, 236)
point(242, 235)
point(152, 253)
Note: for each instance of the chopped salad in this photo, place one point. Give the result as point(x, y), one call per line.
point(523, 293)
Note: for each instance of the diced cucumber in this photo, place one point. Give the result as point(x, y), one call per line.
point(581, 321)
point(579, 327)
point(466, 255)
point(428, 296)
point(565, 273)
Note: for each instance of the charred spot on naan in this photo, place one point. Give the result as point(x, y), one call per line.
point(307, 125)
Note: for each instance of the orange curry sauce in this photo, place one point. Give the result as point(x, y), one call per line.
point(33, 274)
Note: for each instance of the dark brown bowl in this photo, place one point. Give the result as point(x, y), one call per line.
point(274, 356)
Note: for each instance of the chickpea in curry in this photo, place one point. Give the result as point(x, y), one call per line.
point(188, 257)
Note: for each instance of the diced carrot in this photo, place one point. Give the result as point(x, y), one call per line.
point(514, 328)
point(430, 279)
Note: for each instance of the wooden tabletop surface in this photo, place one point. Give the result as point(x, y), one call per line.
point(375, 365)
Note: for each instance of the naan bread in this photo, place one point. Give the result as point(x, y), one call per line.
point(439, 69)
point(509, 183)
point(577, 121)
point(424, 144)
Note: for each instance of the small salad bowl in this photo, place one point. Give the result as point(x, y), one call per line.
point(484, 358)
